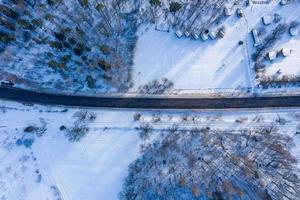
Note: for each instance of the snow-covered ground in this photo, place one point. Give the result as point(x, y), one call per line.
point(220, 65)
point(287, 65)
point(190, 64)
point(95, 167)
point(91, 169)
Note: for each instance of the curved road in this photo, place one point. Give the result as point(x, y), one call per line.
point(148, 102)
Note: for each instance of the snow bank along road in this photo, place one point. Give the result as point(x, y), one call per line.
point(22, 95)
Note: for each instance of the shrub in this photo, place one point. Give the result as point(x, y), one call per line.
point(174, 7)
point(49, 17)
point(84, 3)
point(7, 24)
point(28, 142)
point(84, 116)
point(30, 129)
point(25, 24)
point(37, 22)
point(90, 81)
point(137, 116)
point(76, 133)
point(155, 2)
point(27, 36)
point(60, 36)
point(56, 65)
point(62, 127)
point(145, 130)
point(56, 45)
point(99, 7)
point(105, 49)
point(79, 49)
point(6, 38)
point(104, 65)
point(72, 41)
point(53, 2)
point(156, 86)
point(8, 12)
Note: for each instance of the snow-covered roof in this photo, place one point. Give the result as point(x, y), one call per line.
point(268, 19)
point(293, 31)
point(228, 11)
point(187, 34)
point(284, 2)
point(204, 36)
point(240, 12)
point(212, 35)
point(195, 36)
point(255, 37)
point(285, 52)
point(221, 33)
point(179, 34)
point(272, 55)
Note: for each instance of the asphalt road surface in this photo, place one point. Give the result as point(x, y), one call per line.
point(26, 96)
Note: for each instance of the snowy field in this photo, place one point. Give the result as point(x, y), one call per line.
point(93, 168)
point(195, 66)
point(54, 168)
point(190, 64)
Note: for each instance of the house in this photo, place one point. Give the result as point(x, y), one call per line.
point(240, 12)
point(255, 37)
point(212, 35)
point(272, 55)
point(285, 52)
point(221, 34)
point(179, 34)
point(195, 36)
point(227, 11)
point(268, 19)
point(187, 34)
point(204, 36)
point(293, 31)
point(285, 2)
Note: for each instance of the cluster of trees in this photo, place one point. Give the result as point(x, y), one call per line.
point(214, 164)
point(156, 86)
point(192, 16)
point(88, 43)
point(260, 57)
point(80, 127)
point(268, 42)
point(284, 80)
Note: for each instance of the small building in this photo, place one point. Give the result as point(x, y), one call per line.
point(285, 2)
point(227, 11)
point(179, 34)
point(240, 12)
point(212, 35)
point(249, 3)
point(272, 55)
point(293, 31)
point(204, 36)
point(187, 34)
point(255, 37)
point(268, 19)
point(195, 36)
point(221, 34)
point(285, 52)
